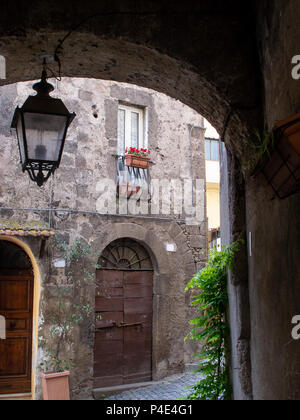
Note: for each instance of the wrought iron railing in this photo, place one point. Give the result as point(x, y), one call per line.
point(132, 183)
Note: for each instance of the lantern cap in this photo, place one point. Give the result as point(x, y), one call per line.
point(43, 103)
point(43, 88)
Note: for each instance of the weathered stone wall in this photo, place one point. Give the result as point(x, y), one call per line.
point(275, 225)
point(176, 138)
point(264, 289)
point(205, 54)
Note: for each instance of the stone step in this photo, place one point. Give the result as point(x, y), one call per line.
point(16, 397)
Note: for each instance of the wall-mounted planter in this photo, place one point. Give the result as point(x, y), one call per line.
point(56, 386)
point(282, 167)
point(135, 161)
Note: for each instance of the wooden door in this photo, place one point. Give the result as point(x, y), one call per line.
point(123, 337)
point(16, 301)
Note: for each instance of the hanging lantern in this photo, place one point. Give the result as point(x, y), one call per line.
point(41, 125)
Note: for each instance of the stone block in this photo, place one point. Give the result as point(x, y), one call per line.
point(111, 119)
point(193, 229)
point(198, 241)
point(84, 95)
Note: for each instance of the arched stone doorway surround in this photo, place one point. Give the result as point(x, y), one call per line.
point(169, 298)
point(36, 301)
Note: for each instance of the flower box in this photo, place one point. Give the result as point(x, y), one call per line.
point(136, 158)
point(137, 161)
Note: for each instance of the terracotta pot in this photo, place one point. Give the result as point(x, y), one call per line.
point(56, 386)
point(290, 130)
point(137, 161)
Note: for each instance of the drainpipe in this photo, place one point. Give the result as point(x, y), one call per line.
point(191, 129)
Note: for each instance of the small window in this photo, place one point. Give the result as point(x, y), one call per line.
point(212, 150)
point(130, 128)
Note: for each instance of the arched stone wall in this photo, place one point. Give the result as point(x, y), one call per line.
point(158, 47)
point(202, 53)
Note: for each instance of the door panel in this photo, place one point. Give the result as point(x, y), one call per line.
point(137, 291)
point(123, 340)
point(109, 304)
point(138, 308)
point(16, 300)
point(14, 295)
point(14, 360)
point(109, 345)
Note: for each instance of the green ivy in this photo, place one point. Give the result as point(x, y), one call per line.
point(68, 315)
point(211, 326)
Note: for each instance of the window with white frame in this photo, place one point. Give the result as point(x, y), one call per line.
point(131, 128)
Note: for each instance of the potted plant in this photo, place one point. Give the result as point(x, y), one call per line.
point(55, 384)
point(72, 309)
point(137, 158)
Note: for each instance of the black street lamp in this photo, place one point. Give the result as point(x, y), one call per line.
point(41, 125)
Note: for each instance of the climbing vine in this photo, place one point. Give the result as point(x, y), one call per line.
point(72, 306)
point(211, 325)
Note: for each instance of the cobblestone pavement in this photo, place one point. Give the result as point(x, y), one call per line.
point(171, 388)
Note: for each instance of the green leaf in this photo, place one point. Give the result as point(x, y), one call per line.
point(210, 325)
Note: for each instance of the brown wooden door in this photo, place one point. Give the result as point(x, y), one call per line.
point(123, 338)
point(16, 301)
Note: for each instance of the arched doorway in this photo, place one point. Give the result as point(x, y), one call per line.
point(123, 312)
point(16, 306)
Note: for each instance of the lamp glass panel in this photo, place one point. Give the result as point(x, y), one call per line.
point(21, 139)
point(44, 134)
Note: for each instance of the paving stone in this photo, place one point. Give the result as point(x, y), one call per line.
point(172, 388)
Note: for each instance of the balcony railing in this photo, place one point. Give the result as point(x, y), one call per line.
point(132, 183)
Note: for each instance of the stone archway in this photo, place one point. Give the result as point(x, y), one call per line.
point(204, 55)
point(158, 47)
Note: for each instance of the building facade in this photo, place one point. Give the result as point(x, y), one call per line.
point(212, 158)
point(98, 219)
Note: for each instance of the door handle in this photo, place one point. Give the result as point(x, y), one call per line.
point(12, 325)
